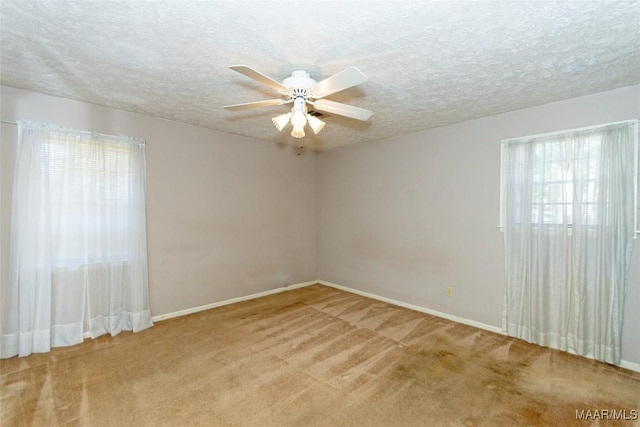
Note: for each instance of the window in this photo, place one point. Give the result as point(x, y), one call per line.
point(78, 261)
point(89, 195)
point(556, 176)
point(568, 211)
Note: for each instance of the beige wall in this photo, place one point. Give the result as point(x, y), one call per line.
point(403, 218)
point(409, 216)
point(227, 216)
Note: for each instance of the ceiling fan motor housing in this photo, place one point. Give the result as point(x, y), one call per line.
point(299, 79)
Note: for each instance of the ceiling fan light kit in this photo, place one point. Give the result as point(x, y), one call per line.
point(299, 118)
point(298, 121)
point(281, 121)
point(301, 90)
point(315, 123)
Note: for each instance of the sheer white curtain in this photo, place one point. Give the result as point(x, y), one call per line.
point(78, 261)
point(568, 212)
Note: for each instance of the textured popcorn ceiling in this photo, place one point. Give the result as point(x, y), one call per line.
point(429, 63)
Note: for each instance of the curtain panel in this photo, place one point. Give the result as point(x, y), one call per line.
point(568, 212)
point(78, 261)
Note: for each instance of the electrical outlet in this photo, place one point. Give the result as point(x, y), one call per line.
point(449, 291)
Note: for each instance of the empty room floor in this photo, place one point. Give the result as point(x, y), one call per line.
point(314, 356)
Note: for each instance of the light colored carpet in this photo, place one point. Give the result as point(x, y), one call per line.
point(314, 356)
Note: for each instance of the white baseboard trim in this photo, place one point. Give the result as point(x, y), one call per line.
point(417, 308)
point(623, 363)
point(630, 365)
point(192, 310)
point(300, 285)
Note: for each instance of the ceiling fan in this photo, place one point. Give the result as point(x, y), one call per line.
point(301, 90)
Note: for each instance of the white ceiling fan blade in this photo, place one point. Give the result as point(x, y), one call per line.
point(247, 105)
point(342, 109)
point(338, 82)
point(258, 76)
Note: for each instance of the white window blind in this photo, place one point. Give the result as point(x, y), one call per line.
point(560, 179)
point(89, 192)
